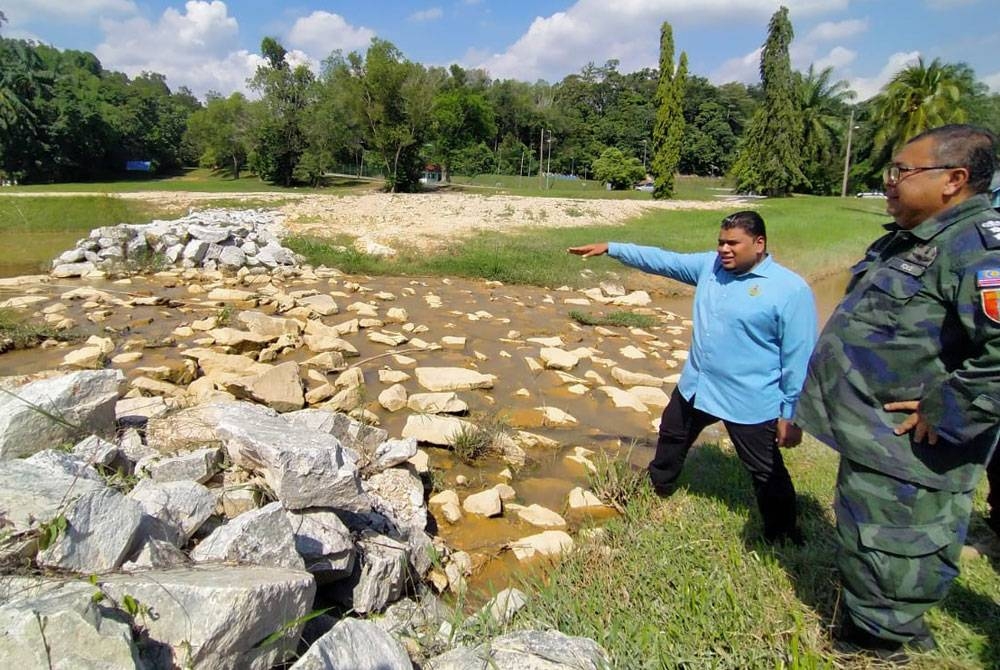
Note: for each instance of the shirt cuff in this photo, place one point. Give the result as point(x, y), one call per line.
point(787, 411)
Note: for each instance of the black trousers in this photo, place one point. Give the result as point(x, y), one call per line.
point(756, 446)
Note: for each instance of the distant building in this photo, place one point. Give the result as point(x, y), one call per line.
point(433, 174)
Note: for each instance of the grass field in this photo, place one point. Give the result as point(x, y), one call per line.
point(686, 187)
point(814, 236)
point(195, 179)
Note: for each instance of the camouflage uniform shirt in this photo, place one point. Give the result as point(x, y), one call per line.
point(919, 322)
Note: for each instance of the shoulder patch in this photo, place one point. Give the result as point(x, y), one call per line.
point(988, 278)
point(990, 230)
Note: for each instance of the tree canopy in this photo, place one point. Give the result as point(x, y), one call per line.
point(63, 116)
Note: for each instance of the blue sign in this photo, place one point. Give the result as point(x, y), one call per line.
point(139, 166)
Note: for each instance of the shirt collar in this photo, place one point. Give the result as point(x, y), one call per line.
point(931, 227)
point(762, 269)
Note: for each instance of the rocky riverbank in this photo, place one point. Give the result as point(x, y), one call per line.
point(265, 436)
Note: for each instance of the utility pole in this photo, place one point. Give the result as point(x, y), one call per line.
point(548, 169)
point(847, 155)
point(644, 158)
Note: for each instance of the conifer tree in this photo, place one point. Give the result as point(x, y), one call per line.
point(669, 127)
point(770, 160)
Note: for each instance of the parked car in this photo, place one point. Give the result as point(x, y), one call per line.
point(870, 194)
point(647, 188)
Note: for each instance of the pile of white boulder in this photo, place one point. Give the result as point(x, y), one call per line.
point(200, 538)
point(218, 239)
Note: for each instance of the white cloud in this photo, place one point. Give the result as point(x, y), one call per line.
point(993, 81)
point(745, 69)
point(837, 58)
point(868, 87)
point(322, 32)
point(431, 14)
point(197, 48)
point(830, 31)
point(596, 30)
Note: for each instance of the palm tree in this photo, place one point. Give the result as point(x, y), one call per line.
point(918, 98)
point(822, 105)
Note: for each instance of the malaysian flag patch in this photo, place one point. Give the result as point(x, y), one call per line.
point(988, 279)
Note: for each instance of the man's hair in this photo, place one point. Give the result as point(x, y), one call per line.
point(965, 146)
point(749, 221)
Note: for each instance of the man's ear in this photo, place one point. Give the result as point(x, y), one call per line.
point(958, 179)
point(760, 243)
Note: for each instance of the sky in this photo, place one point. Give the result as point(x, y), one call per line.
point(214, 45)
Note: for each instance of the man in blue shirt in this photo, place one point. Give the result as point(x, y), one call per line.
point(754, 328)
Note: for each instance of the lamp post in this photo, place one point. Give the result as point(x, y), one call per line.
point(548, 168)
point(847, 154)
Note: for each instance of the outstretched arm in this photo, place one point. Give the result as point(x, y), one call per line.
point(588, 250)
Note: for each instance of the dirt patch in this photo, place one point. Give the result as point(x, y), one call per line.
point(429, 221)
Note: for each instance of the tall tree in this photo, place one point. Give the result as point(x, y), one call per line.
point(394, 97)
point(219, 131)
point(920, 97)
point(823, 105)
point(276, 126)
point(668, 129)
point(770, 160)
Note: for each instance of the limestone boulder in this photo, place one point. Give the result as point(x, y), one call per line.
point(76, 633)
point(215, 616)
point(355, 644)
point(437, 403)
point(452, 379)
point(259, 537)
point(304, 468)
point(179, 506)
point(101, 526)
point(57, 410)
point(324, 543)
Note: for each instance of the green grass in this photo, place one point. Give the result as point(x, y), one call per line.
point(688, 583)
point(74, 213)
point(620, 318)
point(199, 180)
point(811, 235)
point(19, 331)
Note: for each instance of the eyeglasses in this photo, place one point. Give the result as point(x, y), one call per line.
point(897, 173)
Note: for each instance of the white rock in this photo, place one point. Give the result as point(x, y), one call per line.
point(215, 616)
point(355, 644)
point(452, 379)
point(537, 515)
point(437, 403)
point(101, 526)
point(485, 503)
point(623, 399)
point(558, 359)
point(181, 506)
point(393, 398)
point(546, 543)
point(85, 401)
point(260, 537)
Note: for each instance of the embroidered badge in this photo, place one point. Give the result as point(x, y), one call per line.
point(753, 291)
point(991, 304)
point(922, 255)
point(987, 278)
point(990, 230)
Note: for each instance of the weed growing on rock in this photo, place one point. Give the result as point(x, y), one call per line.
point(622, 318)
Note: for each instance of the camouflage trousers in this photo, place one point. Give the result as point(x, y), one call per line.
point(899, 548)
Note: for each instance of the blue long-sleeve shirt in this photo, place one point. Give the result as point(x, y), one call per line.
point(753, 332)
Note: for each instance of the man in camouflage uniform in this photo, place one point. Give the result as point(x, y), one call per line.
point(918, 331)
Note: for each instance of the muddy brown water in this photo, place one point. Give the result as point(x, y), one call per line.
point(497, 322)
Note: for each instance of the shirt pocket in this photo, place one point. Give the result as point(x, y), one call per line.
point(886, 294)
